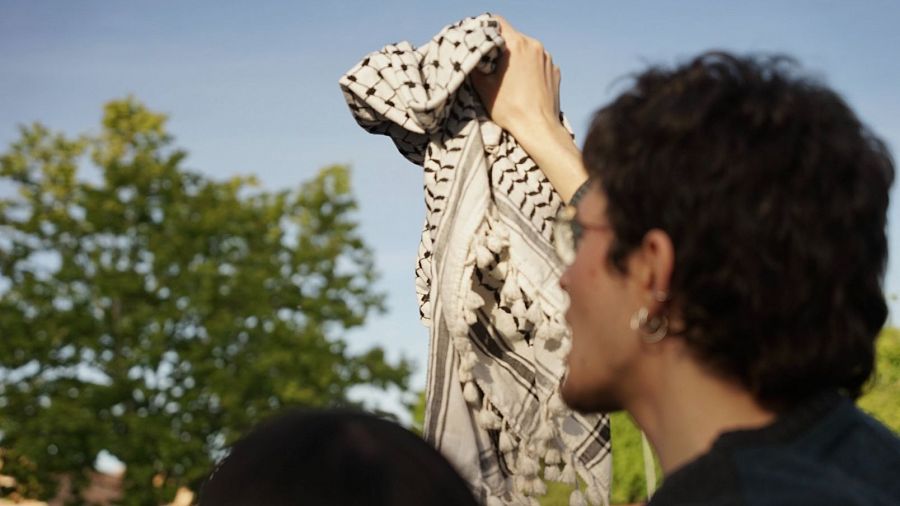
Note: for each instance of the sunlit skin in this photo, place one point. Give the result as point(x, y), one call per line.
point(602, 300)
point(679, 402)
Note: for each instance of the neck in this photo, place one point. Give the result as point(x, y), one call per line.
point(686, 408)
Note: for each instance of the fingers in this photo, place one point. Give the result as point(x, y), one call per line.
point(517, 43)
point(524, 88)
point(514, 37)
point(487, 86)
point(505, 27)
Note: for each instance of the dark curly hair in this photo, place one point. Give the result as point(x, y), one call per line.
point(775, 197)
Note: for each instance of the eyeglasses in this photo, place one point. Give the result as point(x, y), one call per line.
point(567, 231)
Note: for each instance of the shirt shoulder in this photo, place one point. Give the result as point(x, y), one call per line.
point(827, 453)
point(847, 457)
point(711, 479)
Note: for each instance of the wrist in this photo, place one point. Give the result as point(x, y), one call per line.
point(544, 139)
point(535, 126)
point(551, 146)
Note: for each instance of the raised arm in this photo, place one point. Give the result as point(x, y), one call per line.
point(522, 96)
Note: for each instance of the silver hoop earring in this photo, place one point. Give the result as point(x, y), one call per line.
point(639, 318)
point(652, 328)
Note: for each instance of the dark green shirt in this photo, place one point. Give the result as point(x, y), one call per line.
point(824, 452)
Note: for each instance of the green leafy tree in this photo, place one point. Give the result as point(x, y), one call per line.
point(882, 396)
point(158, 314)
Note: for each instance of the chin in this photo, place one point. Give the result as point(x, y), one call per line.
point(588, 400)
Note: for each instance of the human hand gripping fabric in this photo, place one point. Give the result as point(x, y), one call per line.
point(524, 89)
point(522, 97)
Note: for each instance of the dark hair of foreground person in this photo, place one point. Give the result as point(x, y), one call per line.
point(774, 195)
point(334, 458)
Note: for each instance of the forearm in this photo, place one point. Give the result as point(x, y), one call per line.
point(549, 144)
point(522, 96)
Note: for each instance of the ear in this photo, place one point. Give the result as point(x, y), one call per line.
point(656, 260)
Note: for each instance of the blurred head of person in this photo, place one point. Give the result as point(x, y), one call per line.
point(739, 208)
point(337, 457)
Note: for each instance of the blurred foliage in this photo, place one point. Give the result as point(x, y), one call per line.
point(159, 314)
point(628, 483)
point(418, 414)
point(882, 399)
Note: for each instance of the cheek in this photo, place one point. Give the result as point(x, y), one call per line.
point(589, 374)
point(586, 317)
point(581, 280)
point(588, 293)
point(599, 322)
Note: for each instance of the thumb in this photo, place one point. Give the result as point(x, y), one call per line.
point(486, 85)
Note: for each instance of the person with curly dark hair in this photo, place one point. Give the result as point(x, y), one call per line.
point(726, 249)
point(333, 458)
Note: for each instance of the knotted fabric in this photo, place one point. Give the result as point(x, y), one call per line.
point(486, 274)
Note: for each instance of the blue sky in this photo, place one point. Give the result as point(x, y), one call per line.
point(252, 87)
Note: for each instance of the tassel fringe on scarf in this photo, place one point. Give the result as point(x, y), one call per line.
point(486, 275)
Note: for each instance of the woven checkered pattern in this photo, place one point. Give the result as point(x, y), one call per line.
point(486, 274)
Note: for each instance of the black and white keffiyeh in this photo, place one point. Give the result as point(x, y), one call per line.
point(486, 275)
